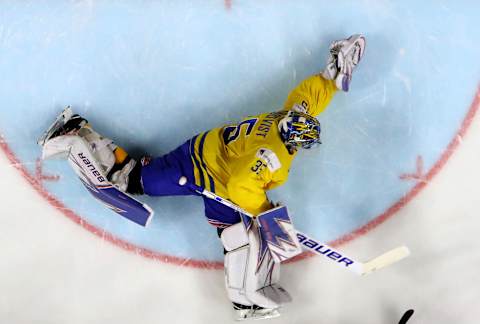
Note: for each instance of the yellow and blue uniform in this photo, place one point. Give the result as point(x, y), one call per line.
point(239, 162)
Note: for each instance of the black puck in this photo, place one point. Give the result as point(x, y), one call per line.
point(406, 316)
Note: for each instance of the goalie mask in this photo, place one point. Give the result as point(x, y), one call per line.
point(299, 130)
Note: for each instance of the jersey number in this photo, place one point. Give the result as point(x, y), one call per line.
point(231, 133)
point(258, 167)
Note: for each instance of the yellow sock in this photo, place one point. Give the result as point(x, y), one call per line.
point(120, 155)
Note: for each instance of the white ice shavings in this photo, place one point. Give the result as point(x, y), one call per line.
point(371, 95)
point(384, 97)
point(407, 83)
point(404, 79)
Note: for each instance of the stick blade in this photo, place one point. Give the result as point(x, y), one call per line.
point(386, 259)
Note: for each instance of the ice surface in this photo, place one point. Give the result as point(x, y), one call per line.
point(152, 74)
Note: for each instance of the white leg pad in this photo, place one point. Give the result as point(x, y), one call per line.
point(234, 236)
point(100, 147)
point(235, 271)
point(235, 242)
point(58, 147)
point(77, 149)
point(251, 277)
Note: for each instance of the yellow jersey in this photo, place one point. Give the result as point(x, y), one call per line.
point(241, 162)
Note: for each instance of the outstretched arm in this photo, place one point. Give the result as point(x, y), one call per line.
point(313, 94)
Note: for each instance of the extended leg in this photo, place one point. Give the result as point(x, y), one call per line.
point(105, 169)
point(114, 162)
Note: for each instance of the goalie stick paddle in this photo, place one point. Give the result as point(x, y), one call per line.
point(318, 247)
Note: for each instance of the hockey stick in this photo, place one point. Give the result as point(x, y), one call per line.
point(317, 247)
point(360, 268)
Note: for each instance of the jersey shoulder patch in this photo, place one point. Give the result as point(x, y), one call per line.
point(270, 158)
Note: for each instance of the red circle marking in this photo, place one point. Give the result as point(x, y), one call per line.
point(37, 185)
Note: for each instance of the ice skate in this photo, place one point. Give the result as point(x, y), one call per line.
point(255, 313)
point(65, 123)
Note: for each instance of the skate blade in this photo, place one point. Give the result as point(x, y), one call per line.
point(61, 119)
point(244, 315)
